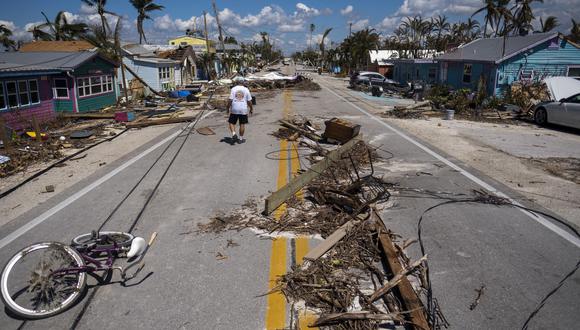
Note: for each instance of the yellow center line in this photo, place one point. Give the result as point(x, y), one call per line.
point(276, 302)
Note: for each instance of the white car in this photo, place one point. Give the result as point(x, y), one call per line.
point(564, 109)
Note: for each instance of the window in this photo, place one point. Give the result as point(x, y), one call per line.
point(574, 99)
point(94, 85)
point(60, 89)
point(2, 99)
point(432, 73)
point(164, 73)
point(33, 88)
point(467, 73)
point(23, 92)
point(12, 94)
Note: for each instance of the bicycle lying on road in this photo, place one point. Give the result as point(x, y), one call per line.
point(47, 278)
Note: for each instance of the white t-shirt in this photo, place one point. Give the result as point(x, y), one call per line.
point(240, 95)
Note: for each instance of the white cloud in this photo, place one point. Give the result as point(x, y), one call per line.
point(360, 24)
point(86, 9)
point(164, 23)
point(291, 27)
point(307, 11)
point(347, 10)
point(389, 23)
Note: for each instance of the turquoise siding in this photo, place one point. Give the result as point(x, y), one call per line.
point(408, 70)
point(93, 103)
point(95, 66)
point(63, 105)
point(538, 63)
point(455, 75)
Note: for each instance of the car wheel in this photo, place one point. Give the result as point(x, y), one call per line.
point(541, 117)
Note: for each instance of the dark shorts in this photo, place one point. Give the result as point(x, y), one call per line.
point(234, 119)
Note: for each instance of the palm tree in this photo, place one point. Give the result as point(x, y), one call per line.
point(491, 13)
point(100, 5)
point(472, 28)
point(144, 7)
point(61, 29)
point(230, 40)
point(548, 25)
point(523, 15)
point(312, 27)
point(324, 35)
point(503, 13)
point(39, 34)
point(441, 26)
point(575, 32)
point(5, 40)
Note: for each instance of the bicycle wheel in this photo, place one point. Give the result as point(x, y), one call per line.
point(106, 239)
point(33, 285)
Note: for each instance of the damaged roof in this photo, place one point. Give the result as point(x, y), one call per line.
point(57, 46)
point(43, 61)
point(492, 49)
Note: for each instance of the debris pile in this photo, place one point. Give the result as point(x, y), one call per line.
point(349, 278)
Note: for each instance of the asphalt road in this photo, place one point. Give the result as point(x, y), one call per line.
point(517, 259)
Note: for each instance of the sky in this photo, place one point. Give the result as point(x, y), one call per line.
point(287, 21)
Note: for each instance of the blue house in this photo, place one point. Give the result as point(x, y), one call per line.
point(161, 74)
point(502, 61)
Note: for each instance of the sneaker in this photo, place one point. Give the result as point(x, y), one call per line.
point(242, 140)
point(235, 137)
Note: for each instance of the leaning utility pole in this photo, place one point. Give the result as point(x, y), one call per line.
point(217, 20)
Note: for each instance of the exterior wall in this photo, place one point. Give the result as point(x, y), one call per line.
point(146, 71)
point(198, 44)
point(551, 58)
point(21, 118)
point(96, 67)
point(410, 70)
point(478, 69)
point(92, 103)
point(63, 104)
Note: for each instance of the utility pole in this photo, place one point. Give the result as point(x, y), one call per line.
point(217, 20)
point(205, 29)
point(350, 29)
point(206, 45)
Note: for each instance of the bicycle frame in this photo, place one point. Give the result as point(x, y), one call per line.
point(97, 265)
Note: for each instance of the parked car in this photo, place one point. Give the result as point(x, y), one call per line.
point(564, 106)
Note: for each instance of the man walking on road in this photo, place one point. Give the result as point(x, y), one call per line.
point(238, 104)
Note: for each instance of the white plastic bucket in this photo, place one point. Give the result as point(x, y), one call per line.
point(449, 114)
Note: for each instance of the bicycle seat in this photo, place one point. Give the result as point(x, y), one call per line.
point(138, 246)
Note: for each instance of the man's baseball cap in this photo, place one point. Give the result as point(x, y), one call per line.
point(239, 79)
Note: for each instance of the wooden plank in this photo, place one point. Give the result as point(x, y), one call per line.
point(329, 242)
point(327, 319)
point(278, 197)
point(36, 127)
point(6, 139)
point(410, 299)
point(164, 121)
point(89, 115)
point(309, 134)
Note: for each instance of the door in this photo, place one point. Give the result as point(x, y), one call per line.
point(571, 116)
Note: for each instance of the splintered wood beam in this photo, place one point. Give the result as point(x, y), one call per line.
point(410, 300)
point(278, 197)
point(146, 123)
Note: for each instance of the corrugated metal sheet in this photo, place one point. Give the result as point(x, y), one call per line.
point(43, 61)
point(492, 49)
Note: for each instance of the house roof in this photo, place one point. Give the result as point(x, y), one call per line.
point(178, 54)
point(492, 49)
point(43, 61)
point(383, 57)
point(57, 46)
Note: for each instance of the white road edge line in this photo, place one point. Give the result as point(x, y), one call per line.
point(543, 221)
point(41, 218)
